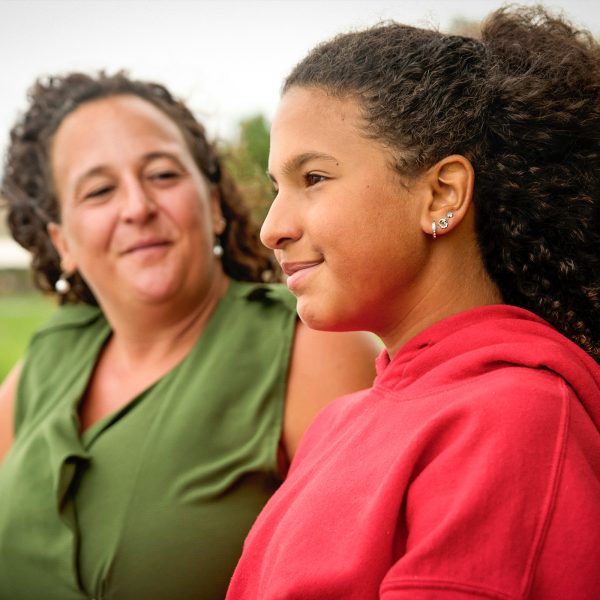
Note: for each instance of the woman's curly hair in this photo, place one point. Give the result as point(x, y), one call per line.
point(28, 189)
point(523, 105)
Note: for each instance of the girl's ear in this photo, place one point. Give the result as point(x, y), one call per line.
point(450, 182)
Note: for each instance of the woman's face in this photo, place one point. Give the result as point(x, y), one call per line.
point(138, 218)
point(344, 225)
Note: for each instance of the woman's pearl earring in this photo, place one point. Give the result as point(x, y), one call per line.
point(217, 248)
point(62, 285)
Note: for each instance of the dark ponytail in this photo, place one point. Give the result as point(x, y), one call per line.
point(523, 105)
point(538, 182)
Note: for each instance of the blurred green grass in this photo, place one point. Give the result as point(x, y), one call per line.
point(20, 316)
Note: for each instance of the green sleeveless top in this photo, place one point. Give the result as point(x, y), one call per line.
point(152, 502)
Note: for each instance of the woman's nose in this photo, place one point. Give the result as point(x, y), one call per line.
point(281, 225)
point(138, 204)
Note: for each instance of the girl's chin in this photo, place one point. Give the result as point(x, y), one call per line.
point(315, 319)
point(323, 318)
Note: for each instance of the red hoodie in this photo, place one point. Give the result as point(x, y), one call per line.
point(470, 470)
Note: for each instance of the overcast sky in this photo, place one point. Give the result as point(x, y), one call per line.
point(227, 58)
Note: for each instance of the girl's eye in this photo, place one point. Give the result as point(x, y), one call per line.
point(313, 178)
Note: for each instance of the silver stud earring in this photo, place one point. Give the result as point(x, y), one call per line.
point(62, 285)
point(443, 223)
point(433, 229)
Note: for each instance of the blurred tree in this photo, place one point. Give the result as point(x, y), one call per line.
point(254, 135)
point(247, 161)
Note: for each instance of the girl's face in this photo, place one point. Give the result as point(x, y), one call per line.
point(344, 225)
point(138, 218)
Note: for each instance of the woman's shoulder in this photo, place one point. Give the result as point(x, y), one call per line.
point(67, 334)
point(70, 316)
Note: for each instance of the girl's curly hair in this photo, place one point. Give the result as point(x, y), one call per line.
point(523, 105)
point(32, 203)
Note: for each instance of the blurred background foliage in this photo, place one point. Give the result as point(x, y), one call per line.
point(20, 315)
point(247, 160)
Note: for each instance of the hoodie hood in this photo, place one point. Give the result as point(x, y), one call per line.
point(473, 342)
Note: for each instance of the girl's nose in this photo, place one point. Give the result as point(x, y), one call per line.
point(281, 225)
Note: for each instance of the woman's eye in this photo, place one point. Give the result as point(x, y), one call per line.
point(164, 176)
point(314, 178)
point(99, 192)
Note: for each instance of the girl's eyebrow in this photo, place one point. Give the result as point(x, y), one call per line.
point(297, 162)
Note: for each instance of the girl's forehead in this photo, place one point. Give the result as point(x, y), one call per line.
point(315, 102)
point(311, 122)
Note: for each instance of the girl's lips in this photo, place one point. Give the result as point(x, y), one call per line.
point(296, 271)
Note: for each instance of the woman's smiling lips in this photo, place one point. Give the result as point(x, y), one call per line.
point(295, 271)
point(145, 245)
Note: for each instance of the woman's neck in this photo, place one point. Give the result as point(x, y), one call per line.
point(151, 333)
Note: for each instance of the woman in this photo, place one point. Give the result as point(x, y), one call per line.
point(460, 179)
point(147, 428)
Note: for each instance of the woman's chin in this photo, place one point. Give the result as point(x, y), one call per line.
point(151, 292)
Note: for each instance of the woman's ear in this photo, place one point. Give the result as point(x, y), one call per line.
point(67, 263)
point(450, 192)
point(218, 219)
